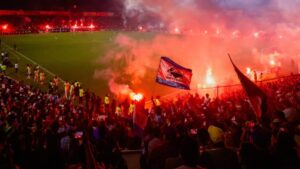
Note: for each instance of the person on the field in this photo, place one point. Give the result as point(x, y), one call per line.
point(71, 91)
point(42, 78)
point(255, 76)
point(2, 56)
point(51, 86)
point(16, 67)
point(81, 94)
point(76, 88)
point(36, 75)
point(3, 68)
point(28, 68)
point(67, 89)
point(56, 81)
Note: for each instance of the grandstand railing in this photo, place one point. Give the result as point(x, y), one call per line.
point(217, 91)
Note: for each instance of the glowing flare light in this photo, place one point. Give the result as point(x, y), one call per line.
point(209, 80)
point(248, 71)
point(92, 26)
point(136, 96)
point(256, 34)
point(140, 28)
point(47, 27)
point(75, 26)
point(272, 62)
point(177, 30)
point(4, 27)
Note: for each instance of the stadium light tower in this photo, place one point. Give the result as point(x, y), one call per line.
point(4, 27)
point(92, 26)
point(75, 26)
point(47, 27)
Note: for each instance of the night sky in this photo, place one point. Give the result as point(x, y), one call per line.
point(82, 5)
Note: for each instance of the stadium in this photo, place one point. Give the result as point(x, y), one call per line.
point(149, 85)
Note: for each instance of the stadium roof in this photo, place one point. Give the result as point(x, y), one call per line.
point(62, 5)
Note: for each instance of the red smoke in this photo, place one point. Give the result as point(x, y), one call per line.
point(210, 29)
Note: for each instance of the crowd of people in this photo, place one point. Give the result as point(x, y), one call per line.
point(41, 24)
point(78, 129)
point(53, 130)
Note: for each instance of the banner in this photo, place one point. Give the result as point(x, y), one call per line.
point(172, 74)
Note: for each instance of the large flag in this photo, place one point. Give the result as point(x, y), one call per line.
point(172, 74)
point(257, 97)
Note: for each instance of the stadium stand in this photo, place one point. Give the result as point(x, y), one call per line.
point(46, 130)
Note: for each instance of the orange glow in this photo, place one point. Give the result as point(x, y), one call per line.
point(47, 27)
point(235, 34)
point(209, 80)
point(256, 34)
point(272, 62)
point(4, 27)
point(218, 31)
point(136, 96)
point(140, 28)
point(75, 26)
point(92, 26)
point(248, 71)
point(176, 30)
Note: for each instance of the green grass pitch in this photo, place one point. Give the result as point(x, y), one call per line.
point(71, 56)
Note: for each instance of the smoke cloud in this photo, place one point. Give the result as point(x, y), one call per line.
point(198, 35)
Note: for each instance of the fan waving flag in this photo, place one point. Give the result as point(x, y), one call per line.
point(172, 74)
point(257, 97)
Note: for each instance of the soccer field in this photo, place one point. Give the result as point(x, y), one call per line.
point(71, 56)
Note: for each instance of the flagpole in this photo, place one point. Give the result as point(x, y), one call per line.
point(230, 58)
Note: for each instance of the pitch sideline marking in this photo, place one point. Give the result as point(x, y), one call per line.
point(32, 61)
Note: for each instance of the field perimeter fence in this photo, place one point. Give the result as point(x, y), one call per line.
point(219, 91)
